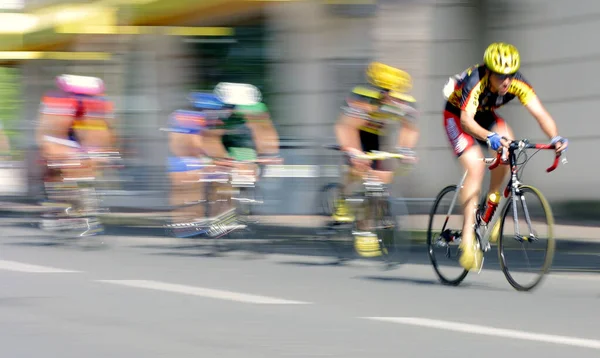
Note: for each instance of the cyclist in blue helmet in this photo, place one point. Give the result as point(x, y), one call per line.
point(186, 164)
point(240, 129)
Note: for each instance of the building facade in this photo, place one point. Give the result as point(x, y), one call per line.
point(305, 56)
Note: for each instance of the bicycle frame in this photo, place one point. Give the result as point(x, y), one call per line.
point(512, 188)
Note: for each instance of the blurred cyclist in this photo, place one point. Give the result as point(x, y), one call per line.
point(365, 120)
point(74, 120)
point(61, 132)
point(186, 164)
point(240, 133)
point(469, 118)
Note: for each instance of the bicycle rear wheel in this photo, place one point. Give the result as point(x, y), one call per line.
point(529, 212)
point(446, 216)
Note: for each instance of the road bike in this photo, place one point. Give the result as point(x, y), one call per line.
point(73, 208)
point(230, 188)
point(535, 210)
point(376, 228)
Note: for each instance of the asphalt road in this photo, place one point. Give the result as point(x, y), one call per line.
point(138, 296)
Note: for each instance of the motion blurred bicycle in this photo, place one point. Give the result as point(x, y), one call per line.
point(231, 194)
point(526, 213)
point(376, 230)
point(73, 204)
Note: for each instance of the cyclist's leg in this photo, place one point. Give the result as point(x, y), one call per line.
point(368, 142)
point(499, 175)
point(469, 155)
point(185, 188)
point(213, 146)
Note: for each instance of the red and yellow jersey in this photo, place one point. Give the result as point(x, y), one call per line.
point(89, 112)
point(472, 91)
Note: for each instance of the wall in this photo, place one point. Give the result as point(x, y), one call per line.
point(556, 40)
point(432, 40)
point(317, 56)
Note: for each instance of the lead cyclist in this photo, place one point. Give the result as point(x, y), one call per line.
point(470, 118)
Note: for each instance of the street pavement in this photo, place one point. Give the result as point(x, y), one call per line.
point(128, 294)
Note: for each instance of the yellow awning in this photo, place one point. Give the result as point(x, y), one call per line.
point(58, 23)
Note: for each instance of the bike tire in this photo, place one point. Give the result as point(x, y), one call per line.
point(550, 248)
point(430, 245)
point(328, 197)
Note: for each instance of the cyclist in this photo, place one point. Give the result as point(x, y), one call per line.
point(241, 129)
point(62, 135)
point(186, 164)
point(364, 120)
point(60, 111)
point(470, 118)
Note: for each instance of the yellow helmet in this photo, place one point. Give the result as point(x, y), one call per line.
point(388, 77)
point(502, 58)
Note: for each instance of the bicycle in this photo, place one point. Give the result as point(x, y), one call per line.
point(241, 195)
point(514, 193)
point(74, 208)
point(381, 236)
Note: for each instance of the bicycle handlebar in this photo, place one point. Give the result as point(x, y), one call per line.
point(521, 144)
point(372, 155)
point(224, 161)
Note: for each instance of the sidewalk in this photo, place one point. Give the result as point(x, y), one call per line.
point(301, 223)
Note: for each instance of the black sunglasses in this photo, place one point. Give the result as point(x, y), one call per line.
point(502, 77)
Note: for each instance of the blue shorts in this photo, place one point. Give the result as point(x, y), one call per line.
point(185, 164)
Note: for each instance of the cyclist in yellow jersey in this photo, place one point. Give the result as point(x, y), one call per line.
point(469, 117)
point(364, 120)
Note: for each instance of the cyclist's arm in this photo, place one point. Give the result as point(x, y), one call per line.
point(408, 135)
point(265, 136)
point(404, 106)
point(354, 114)
point(468, 124)
point(347, 132)
point(547, 124)
point(212, 143)
point(469, 104)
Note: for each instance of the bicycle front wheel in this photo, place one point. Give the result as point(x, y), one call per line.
point(526, 243)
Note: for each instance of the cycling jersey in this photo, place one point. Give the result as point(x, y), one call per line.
point(372, 105)
point(187, 122)
point(88, 112)
point(472, 92)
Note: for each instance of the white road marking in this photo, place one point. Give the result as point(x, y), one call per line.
point(491, 331)
point(23, 267)
point(204, 292)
